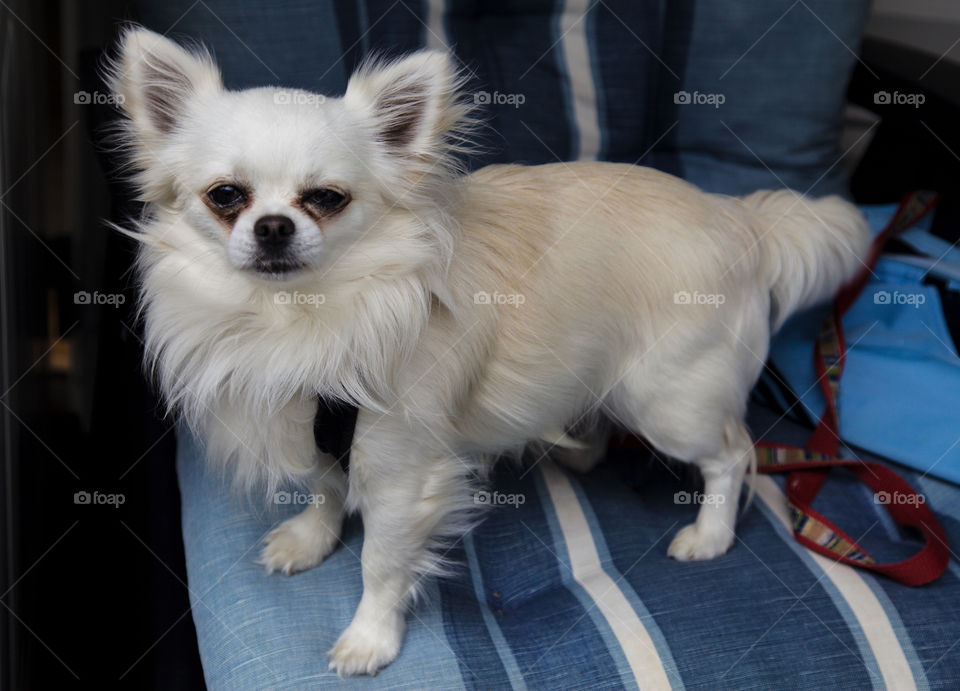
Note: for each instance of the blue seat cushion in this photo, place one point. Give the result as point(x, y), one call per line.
point(567, 585)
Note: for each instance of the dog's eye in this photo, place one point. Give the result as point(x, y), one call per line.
point(226, 196)
point(325, 199)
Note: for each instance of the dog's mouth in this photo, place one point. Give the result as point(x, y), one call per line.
point(276, 269)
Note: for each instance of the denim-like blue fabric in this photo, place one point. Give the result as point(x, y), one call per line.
point(762, 616)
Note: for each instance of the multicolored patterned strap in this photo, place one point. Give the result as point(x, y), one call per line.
point(830, 349)
point(809, 467)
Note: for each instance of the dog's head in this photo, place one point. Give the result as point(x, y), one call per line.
point(285, 182)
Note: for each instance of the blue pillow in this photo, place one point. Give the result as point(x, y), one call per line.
point(733, 96)
point(753, 91)
point(536, 71)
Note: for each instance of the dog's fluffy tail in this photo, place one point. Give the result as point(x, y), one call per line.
point(810, 247)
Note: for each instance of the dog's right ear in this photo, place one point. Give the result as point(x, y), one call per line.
point(153, 78)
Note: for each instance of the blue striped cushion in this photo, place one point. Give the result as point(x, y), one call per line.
point(573, 590)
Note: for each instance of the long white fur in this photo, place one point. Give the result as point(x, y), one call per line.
point(590, 259)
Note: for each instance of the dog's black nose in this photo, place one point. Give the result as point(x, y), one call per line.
point(273, 231)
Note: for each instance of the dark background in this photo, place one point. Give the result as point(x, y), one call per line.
point(92, 592)
point(96, 593)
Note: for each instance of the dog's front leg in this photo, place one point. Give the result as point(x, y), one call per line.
point(302, 542)
point(404, 496)
point(275, 450)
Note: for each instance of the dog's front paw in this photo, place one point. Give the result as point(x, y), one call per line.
point(367, 645)
point(301, 542)
point(696, 543)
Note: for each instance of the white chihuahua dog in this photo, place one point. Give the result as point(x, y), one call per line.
point(296, 247)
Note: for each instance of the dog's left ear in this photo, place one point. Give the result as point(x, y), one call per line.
point(413, 102)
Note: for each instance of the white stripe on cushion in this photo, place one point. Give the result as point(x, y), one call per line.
point(865, 606)
point(576, 57)
point(638, 648)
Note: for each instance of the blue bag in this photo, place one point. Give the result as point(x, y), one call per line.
point(900, 393)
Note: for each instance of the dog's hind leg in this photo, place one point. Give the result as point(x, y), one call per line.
point(696, 416)
point(714, 530)
point(588, 448)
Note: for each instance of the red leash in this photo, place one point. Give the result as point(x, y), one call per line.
point(810, 466)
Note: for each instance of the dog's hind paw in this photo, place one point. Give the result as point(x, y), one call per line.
point(695, 543)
